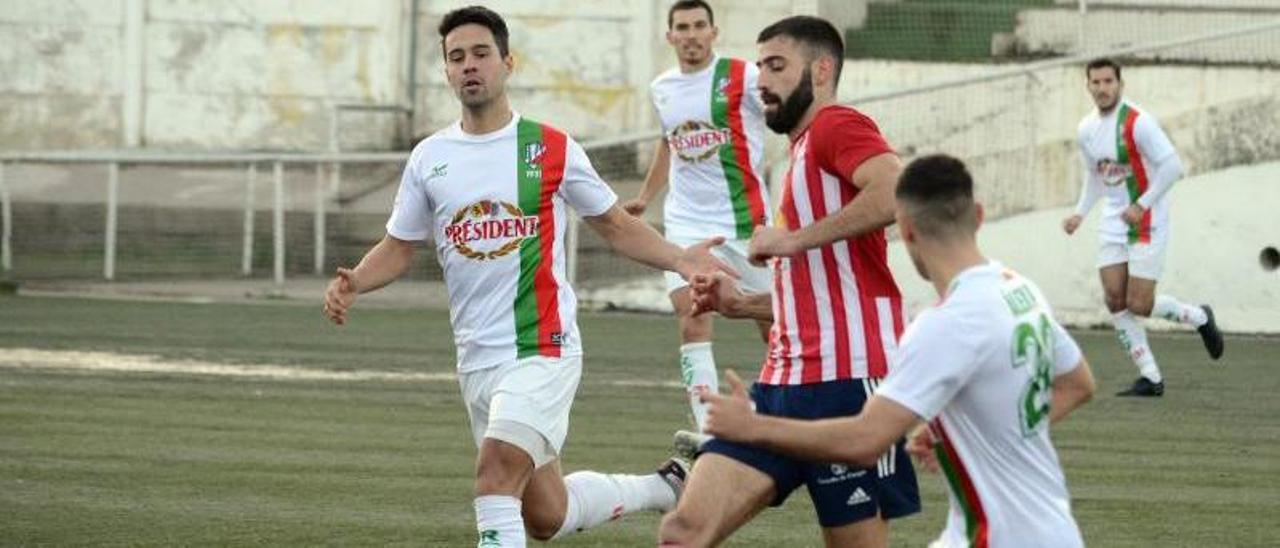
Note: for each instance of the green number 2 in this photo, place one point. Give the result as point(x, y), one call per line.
point(1033, 346)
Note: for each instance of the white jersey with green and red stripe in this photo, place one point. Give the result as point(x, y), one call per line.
point(979, 366)
point(495, 206)
point(713, 121)
point(1120, 150)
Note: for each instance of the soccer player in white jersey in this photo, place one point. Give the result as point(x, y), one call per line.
point(987, 367)
point(492, 191)
point(835, 308)
point(712, 153)
point(1129, 161)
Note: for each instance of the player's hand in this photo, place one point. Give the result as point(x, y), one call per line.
point(920, 445)
point(715, 293)
point(767, 242)
point(1070, 224)
point(635, 206)
point(1133, 214)
point(697, 259)
point(730, 417)
point(340, 295)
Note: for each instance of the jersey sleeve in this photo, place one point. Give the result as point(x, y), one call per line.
point(751, 89)
point(1153, 144)
point(936, 359)
point(657, 100)
point(1090, 185)
point(411, 215)
point(1066, 353)
point(582, 188)
point(843, 138)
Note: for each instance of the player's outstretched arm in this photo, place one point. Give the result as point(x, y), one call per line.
point(720, 293)
point(858, 440)
point(1090, 193)
point(871, 209)
point(636, 240)
point(385, 262)
point(654, 181)
point(1071, 390)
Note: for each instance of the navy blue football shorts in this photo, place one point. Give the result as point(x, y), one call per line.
point(841, 494)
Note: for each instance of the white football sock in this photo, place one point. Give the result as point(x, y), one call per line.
point(595, 498)
point(698, 371)
point(1173, 310)
point(1133, 337)
point(498, 521)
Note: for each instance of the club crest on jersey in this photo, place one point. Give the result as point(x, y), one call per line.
point(722, 89)
point(1111, 172)
point(489, 229)
point(695, 140)
point(533, 153)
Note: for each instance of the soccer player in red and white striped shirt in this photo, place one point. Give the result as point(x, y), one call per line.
point(836, 310)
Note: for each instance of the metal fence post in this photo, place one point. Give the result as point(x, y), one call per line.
point(113, 205)
point(246, 255)
point(1031, 181)
point(6, 225)
point(1080, 25)
point(277, 224)
point(319, 219)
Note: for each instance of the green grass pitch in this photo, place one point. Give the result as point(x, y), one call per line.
point(170, 458)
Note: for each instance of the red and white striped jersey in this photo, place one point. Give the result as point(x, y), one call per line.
point(837, 309)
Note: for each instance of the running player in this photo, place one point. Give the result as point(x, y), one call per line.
point(988, 367)
point(836, 309)
point(1129, 160)
point(712, 153)
point(491, 191)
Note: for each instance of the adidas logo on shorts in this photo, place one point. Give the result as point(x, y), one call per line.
point(858, 497)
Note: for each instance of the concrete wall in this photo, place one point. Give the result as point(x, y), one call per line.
point(62, 71)
point(1183, 4)
point(1018, 134)
point(266, 74)
point(1111, 26)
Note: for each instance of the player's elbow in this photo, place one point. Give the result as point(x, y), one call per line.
point(863, 456)
point(1087, 389)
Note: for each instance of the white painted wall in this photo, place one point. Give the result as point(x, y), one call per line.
point(1050, 31)
point(63, 72)
point(1216, 116)
point(265, 74)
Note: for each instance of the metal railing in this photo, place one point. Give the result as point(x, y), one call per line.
point(328, 165)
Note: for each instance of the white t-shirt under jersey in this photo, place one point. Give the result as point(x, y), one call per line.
point(713, 121)
point(1120, 150)
point(495, 206)
point(979, 366)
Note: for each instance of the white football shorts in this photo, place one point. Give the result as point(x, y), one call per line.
point(523, 402)
point(1146, 260)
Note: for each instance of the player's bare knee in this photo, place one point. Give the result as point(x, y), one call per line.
point(542, 525)
point(1116, 302)
point(1139, 306)
point(695, 329)
point(502, 469)
point(678, 528)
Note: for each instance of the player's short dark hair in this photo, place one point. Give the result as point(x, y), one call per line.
point(937, 192)
point(682, 5)
point(816, 33)
point(477, 15)
point(1102, 62)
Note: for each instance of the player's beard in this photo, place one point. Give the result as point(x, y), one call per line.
point(792, 109)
